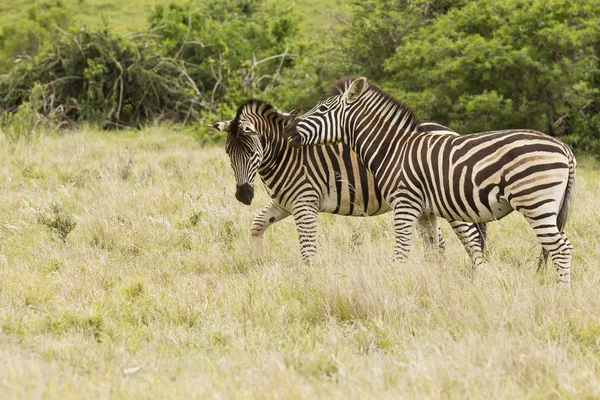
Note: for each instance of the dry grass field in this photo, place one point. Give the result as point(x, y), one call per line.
point(125, 272)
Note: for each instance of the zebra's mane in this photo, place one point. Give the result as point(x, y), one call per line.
point(341, 85)
point(253, 104)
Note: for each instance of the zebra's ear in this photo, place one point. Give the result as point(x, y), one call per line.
point(222, 126)
point(295, 112)
point(291, 115)
point(356, 89)
point(248, 128)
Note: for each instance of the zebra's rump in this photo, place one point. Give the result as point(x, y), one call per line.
point(477, 178)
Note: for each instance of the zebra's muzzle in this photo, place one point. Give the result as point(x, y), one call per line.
point(244, 193)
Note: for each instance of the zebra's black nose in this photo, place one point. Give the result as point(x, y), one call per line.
point(244, 193)
point(296, 141)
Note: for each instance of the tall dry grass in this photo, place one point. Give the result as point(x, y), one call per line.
point(154, 294)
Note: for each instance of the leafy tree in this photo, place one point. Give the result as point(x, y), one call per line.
point(377, 28)
point(494, 64)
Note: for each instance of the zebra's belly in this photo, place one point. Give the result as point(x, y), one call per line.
point(493, 208)
point(499, 208)
point(352, 205)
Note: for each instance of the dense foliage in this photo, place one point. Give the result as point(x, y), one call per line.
point(498, 64)
point(233, 49)
point(472, 65)
point(25, 37)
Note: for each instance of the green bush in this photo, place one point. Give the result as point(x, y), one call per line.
point(196, 62)
point(359, 47)
point(58, 220)
point(472, 65)
point(104, 78)
point(315, 69)
point(378, 27)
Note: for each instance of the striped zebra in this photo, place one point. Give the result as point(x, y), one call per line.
point(472, 178)
point(303, 182)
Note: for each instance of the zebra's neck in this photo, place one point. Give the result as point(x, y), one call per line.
point(378, 127)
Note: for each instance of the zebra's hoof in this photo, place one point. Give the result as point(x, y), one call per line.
point(564, 284)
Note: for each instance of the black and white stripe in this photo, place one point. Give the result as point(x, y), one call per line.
point(303, 182)
point(470, 178)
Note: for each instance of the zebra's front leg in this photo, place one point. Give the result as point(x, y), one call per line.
point(472, 239)
point(265, 218)
point(431, 234)
point(405, 218)
point(305, 216)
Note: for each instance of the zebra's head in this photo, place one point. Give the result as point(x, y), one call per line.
point(245, 142)
point(325, 123)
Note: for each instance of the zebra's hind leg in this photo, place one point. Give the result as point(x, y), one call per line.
point(554, 243)
point(431, 234)
point(472, 239)
point(305, 215)
point(265, 218)
point(543, 259)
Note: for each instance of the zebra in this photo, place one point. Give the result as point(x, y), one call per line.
point(471, 178)
point(303, 182)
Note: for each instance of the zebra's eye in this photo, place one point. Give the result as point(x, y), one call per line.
point(322, 108)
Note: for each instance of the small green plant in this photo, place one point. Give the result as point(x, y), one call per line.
point(134, 291)
point(195, 218)
point(58, 220)
point(24, 124)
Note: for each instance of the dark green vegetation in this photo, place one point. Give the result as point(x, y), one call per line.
point(472, 65)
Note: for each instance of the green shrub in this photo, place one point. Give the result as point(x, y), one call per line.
point(471, 65)
point(58, 220)
point(26, 123)
point(195, 62)
point(104, 78)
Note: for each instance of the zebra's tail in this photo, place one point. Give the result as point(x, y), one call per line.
point(567, 202)
point(565, 205)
